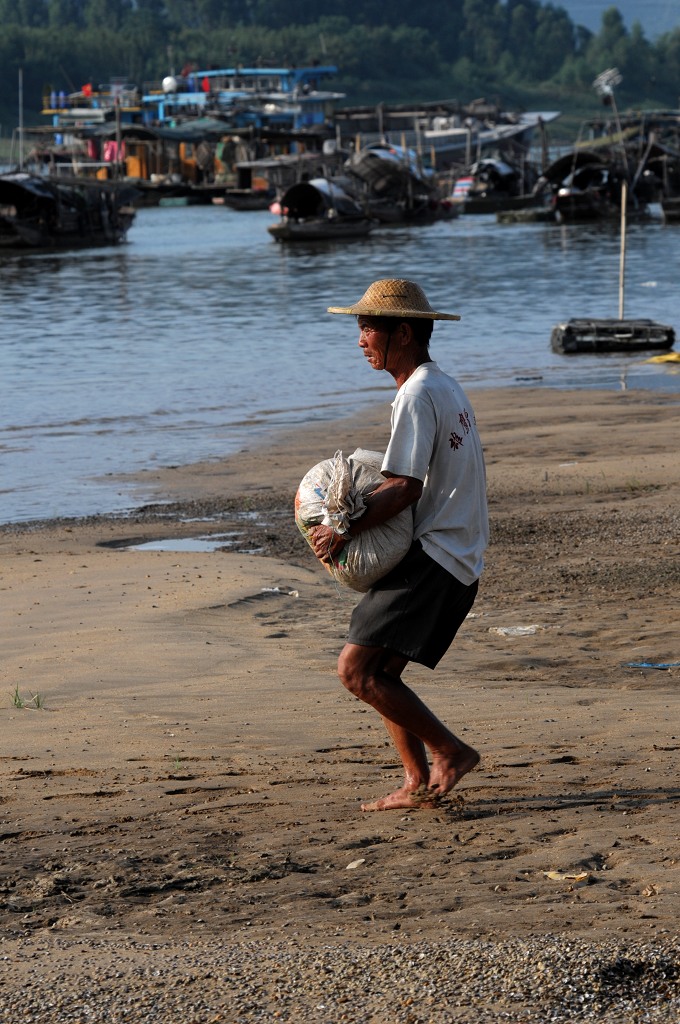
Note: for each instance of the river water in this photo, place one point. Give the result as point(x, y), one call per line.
point(201, 334)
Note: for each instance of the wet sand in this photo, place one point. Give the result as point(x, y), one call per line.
point(182, 773)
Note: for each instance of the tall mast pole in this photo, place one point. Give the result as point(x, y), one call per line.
point(21, 119)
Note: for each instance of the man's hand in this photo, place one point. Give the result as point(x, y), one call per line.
point(326, 544)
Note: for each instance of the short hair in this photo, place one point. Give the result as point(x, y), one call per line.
point(420, 326)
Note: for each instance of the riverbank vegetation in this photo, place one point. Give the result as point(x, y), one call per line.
point(519, 53)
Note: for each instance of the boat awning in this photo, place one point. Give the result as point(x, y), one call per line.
point(15, 184)
point(21, 188)
point(385, 168)
point(314, 198)
point(570, 162)
point(197, 129)
point(498, 167)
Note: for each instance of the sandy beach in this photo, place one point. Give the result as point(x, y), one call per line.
point(182, 773)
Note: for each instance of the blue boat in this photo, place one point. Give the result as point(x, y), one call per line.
point(286, 98)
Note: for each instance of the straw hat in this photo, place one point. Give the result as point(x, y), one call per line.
point(393, 297)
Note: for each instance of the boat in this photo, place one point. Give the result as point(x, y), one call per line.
point(190, 129)
point(585, 186)
point(260, 182)
point(391, 185)
point(290, 98)
point(283, 98)
point(44, 213)
point(318, 210)
point(320, 229)
point(640, 150)
point(608, 335)
point(446, 132)
point(491, 185)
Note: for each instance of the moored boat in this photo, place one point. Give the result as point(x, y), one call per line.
point(492, 185)
point(320, 229)
point(43, 213)
point(319, 210)
point(391, 185)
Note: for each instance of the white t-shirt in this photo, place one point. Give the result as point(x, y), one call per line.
point(434, 439)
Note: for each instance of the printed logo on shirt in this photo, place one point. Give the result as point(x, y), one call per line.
point(455, 440)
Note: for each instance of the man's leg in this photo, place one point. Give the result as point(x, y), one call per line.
point(373, 674)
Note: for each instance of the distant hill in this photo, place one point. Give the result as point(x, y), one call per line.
point(655, 16)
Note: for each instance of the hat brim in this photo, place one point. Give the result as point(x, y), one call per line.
point(404, 314)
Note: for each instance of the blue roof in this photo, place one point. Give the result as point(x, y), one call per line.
point(321, 69)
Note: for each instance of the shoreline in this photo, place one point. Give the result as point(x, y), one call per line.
point(184, 799)
point(665, 386)
point(170, 489)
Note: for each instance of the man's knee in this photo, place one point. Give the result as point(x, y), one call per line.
point(352, 672)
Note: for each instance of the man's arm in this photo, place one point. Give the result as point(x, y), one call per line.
point(388, 499)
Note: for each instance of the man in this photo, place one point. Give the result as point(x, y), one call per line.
point(434, 462)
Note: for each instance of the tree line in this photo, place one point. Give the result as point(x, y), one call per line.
point(520, 50)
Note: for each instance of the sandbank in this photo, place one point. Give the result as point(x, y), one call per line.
point(182, 773)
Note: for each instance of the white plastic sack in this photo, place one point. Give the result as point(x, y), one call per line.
point(332, 494)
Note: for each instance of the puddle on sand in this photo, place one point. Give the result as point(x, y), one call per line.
point(210, 542)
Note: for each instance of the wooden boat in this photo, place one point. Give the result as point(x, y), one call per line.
point(492, 185)
point(320, 229)
point(390, 184)
point(319, 210)
point(448, 132)
point(640, 150)
point(49, 213)
point(592, 335)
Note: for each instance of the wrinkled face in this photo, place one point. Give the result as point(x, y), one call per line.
point(373, 336)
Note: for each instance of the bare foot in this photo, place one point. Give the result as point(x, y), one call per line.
point(412, 799)
point(448, 769)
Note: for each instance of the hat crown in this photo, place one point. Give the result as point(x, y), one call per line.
point(393, 296)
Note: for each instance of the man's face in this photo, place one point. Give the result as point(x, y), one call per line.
point(373, 340)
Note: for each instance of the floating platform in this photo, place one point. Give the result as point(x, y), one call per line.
point(579, 336)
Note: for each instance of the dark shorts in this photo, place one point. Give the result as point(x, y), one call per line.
point(416, 610)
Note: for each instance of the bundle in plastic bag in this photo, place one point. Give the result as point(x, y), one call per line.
point(332, 494)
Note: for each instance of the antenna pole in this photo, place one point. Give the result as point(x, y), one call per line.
point(622, 258)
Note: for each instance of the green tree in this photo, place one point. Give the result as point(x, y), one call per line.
point(667, 62)
point(107, 14)
point(33, 13)
point(518, 59)
point(553, 41)
point(65, 13)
